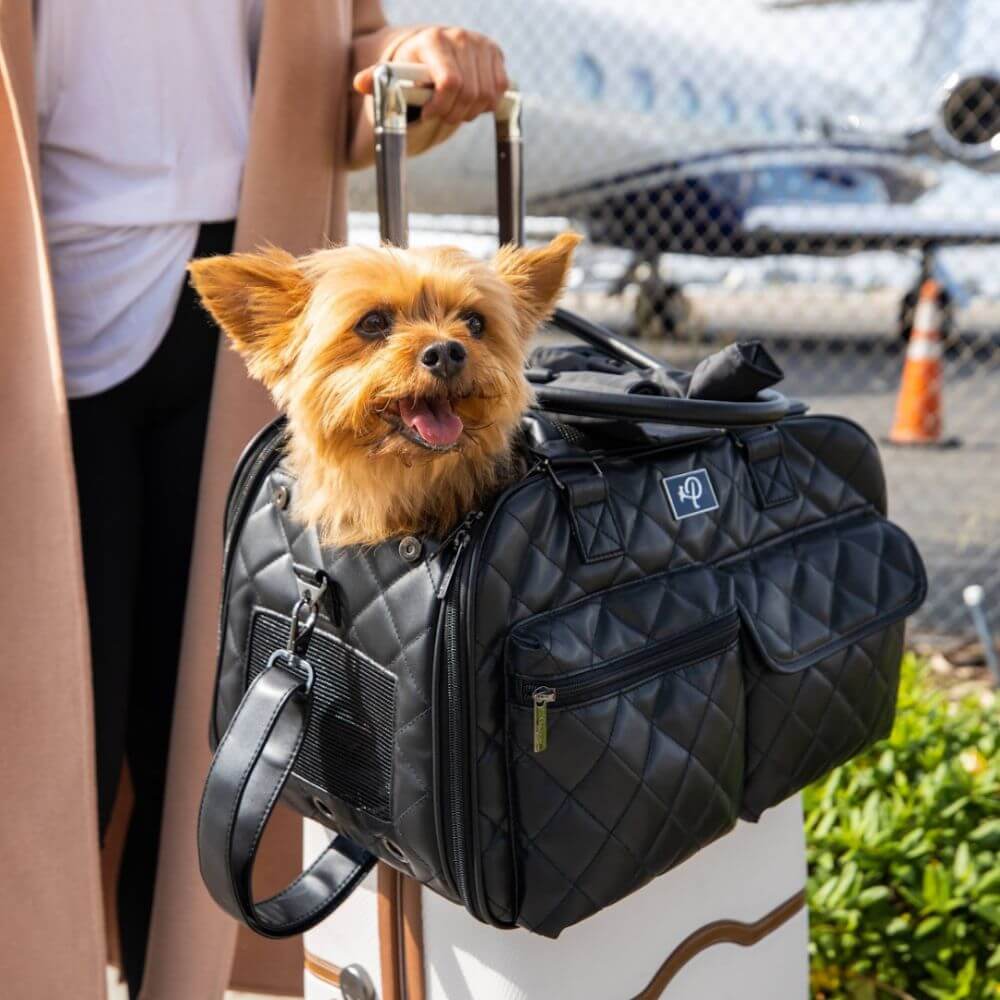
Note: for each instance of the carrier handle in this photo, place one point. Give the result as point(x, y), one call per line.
point(248, 772)
point(400, 86)
point(768, 407)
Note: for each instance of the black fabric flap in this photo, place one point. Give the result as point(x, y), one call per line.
point(737, 373)
point(810, 594)
point(603, 627)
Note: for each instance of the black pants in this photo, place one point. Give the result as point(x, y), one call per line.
point(137, 449)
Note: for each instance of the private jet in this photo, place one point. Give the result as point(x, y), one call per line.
point(659, 129)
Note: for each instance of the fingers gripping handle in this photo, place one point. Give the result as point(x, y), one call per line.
point(249, 771)
point(399, 86)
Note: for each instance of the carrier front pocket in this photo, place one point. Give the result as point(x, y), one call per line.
point(626, 740)
point(824, 611)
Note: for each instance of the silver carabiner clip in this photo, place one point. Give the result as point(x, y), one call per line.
point(301, 628)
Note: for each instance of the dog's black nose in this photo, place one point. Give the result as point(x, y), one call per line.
point(444, 359)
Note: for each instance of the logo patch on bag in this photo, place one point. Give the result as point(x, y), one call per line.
point(690, 493)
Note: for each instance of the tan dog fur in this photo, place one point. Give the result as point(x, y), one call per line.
point(293, 320)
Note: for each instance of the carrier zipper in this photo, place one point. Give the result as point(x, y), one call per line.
point(458, 540)
point(257, 452)
point(456, 757)
point(630, 670)
point(245, 484)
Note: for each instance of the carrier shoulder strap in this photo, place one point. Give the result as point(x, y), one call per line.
point(249, 771)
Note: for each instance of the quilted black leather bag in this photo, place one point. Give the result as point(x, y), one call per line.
point(689, 607)
point(652, 633)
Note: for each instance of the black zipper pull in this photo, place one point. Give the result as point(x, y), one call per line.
point(458, 541)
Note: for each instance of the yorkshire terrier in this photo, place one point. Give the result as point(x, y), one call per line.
point(401, 373)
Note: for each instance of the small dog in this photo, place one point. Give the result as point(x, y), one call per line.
point(401, 372)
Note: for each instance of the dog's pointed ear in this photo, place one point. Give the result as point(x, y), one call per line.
point(256, 298)
point(537, 275)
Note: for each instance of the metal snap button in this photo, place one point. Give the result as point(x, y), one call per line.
point(395, 850)
point(356, 984)
point(410, 548)
point(321, 807)
point(280, 497)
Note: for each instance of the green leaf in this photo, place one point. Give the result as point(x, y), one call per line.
point(938, 992)
point(987, 834)
point(821, 896)
point(936, 886)
point(928, 926)
point(991, 880)
point(963, 866)
point(874, 894)
point(988, 909)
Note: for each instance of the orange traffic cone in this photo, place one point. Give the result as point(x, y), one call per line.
point(918, 407)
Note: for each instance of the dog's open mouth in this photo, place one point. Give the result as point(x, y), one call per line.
point(429, 422)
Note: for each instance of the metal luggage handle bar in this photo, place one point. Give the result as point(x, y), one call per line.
point(400, 86)
point(768, 408)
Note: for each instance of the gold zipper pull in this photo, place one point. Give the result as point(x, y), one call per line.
point(541, 697)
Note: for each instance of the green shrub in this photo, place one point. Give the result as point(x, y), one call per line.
point(904, 857)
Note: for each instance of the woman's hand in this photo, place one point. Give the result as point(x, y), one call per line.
point(466, 67)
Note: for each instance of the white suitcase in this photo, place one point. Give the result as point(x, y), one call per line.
point(729, 923)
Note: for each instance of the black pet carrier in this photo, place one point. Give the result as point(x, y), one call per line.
point(689, 607)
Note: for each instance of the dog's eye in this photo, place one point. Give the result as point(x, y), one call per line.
point(475, 323)
point(377, 323)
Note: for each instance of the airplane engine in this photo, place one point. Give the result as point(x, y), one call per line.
point(966, 119)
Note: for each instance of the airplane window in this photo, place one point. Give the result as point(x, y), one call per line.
point(589, 76)
point(690, 101)
point(730, 109)
point(796, 119)
point(643, 88)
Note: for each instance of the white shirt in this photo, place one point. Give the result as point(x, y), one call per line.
point(144, 113)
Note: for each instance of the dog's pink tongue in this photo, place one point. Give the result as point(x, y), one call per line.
point(433, 419)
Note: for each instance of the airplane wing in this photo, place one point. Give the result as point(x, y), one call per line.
point(876, 224)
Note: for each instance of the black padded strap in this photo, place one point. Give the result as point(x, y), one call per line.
point(591, 514)
point(772, 480)
point(245, 781)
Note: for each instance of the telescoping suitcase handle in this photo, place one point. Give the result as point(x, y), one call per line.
point(401, 86)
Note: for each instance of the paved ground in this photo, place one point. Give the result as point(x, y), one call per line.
point(948, 499)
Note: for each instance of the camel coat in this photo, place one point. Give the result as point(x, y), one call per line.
point(305, 131)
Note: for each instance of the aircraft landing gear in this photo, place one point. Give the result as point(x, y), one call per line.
point(908, 303)
point(661, 309)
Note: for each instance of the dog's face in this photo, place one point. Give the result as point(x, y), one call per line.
point(385, 357)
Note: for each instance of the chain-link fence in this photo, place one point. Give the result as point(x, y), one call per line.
point(786, 169)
